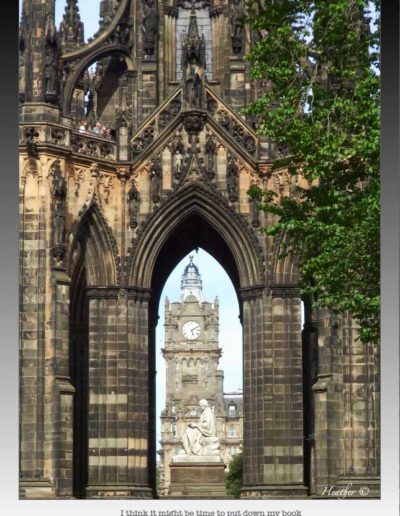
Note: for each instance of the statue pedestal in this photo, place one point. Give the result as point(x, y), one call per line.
point(195, 476)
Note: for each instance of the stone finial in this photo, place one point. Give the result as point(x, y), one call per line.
point(71, 27)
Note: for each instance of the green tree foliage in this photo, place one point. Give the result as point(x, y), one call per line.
point(318, 64)
point(234, 477)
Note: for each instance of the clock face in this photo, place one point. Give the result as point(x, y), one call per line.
point(191, 330)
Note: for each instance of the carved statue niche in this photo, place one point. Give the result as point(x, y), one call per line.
point(155, 180)
point(178, 152)
point(59, 195)
point(210, 150)
point(133, 201)
point(254, 211)
point(150, 27)
point(237, 29)
point(193, 64)
point(232, 176)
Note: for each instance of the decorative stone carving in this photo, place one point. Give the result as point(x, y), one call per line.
point(31, 139)
point(71, 27)
point(95, 147)
point(200, 438)
point(193, 87)
point(123, 110)
point(58, 136)
point(178, 152)
point(237, 29)
point(78, 178)
point(232, 176)
point(145, 136)
point(254, 212)
point(282, 182)
point(193, 121)
point(107, 181)
point(232, 124)
point(59, 194)
point(124, 34)
point(133, 203)
point(210, 151)
point(143, 141)
point(169, 113)
point(150, 27)
point(51, 74)
point(155, 180)
point(193, 64)
point(107, 11)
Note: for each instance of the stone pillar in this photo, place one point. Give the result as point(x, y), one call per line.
point(36, 395)
point(345, 417)
point(310, 370)
point(63, 396)
point(273, 394)
point(361, 467)
point(118, 394)
point(323, 387)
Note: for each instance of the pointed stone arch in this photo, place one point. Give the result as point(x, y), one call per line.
point(284, 270)
point(81, 66)
point(195, 202)
point(98, 245)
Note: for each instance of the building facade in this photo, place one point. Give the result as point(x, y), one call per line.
point(104, 218)
point(192, 354)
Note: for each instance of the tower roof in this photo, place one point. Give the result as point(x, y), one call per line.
point(191, 283)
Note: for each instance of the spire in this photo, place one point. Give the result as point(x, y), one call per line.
point(191, 283)
point(193, 45)
point(71, 27)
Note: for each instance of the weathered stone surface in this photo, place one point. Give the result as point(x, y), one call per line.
point(197, 480)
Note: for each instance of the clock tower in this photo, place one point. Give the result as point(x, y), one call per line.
point(191, 349)
point(192, 354)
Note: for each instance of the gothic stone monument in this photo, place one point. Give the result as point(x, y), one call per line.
point(104, 218)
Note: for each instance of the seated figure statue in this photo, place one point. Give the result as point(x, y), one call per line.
point(200, 438)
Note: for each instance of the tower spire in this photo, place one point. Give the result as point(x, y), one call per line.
point(191, 283)
point(71, 27)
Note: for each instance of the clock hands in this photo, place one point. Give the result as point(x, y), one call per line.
point(195, 328)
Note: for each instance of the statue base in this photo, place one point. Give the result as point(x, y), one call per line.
point(197, 477)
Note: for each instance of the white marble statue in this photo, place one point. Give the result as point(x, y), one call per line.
point(200, 438)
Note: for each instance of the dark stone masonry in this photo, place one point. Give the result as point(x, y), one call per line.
point(134, 151)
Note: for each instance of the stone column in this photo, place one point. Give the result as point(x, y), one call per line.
point(36, 394)
point(273, 394)
point(345, 417)
point(63, 397)
point(118, 394)
point(361, 467)
point(310, 370)
point(323, 393)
